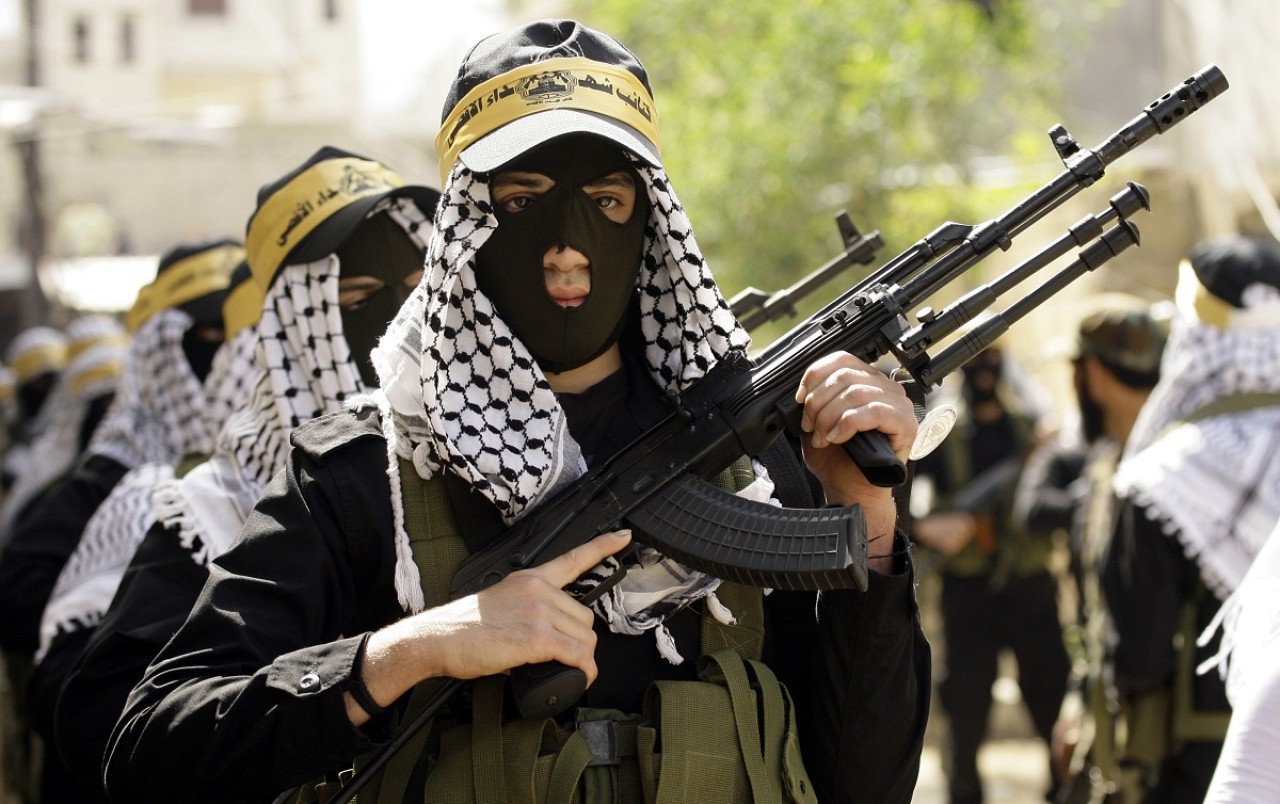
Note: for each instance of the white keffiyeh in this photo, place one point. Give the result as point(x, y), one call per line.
point(89, 579)
point(461, 393)
point(1214, 483)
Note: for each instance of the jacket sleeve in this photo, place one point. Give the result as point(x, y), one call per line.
point(246, 700)
point(40, 545)
point(155, 595)
point(1145, 579)
point(862, 694)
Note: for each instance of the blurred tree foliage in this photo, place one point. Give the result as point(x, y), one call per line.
point(776, 115)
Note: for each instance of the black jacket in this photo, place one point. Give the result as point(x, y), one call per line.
point(223, 712)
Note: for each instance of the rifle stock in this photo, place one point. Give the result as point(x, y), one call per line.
point(744, 404)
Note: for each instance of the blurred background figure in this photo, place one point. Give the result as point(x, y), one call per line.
point(996, 589)
point(36, 356)
point(156, 415)
point(1066, 486)
point(1198, 488)
point(8, 407)
point(309, 317)
point(96, 348)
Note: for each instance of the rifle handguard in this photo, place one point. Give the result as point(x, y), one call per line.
point(755, 543)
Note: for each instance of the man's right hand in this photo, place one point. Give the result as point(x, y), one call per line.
point(524, 619)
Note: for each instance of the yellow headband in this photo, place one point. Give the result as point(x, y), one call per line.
point(38, 360)
point(309, 199)
point(77, 347)
point(187, 279)
point(243, 307)
point(102, 371)
point(1195, 300)
point(569, 83)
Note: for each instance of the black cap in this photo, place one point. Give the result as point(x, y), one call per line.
point(1227, 266)
point(317, 206)
point(208, 307)
point(534, 43)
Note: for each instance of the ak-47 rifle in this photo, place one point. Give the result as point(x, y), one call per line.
point(657, 486)
point(754, 307)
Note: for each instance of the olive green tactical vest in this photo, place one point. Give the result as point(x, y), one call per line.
point(730, 737)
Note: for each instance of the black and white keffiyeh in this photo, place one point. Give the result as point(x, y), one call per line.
point(460, 393)
point(159, 411)
point(302, 368)
point(1214, 483)
point(89, 579)
point(93, 372)
point(231, 377)
point(160, 415)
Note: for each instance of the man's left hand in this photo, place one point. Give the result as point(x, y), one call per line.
point(842, 396)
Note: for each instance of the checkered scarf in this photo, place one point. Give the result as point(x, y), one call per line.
point(1213, 483)
point(231, 377)
point(302, 368)
point(159, 411)
point(54, 449)
point(160, 415)
point(89, 579)
point(461, 393)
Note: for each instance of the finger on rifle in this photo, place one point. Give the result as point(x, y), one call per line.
point(827, 375)
point(565, 569)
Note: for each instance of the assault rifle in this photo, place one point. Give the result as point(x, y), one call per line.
point(754, 307)
point(658, 485)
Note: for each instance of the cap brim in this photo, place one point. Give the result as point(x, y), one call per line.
point(501, 145)
point(337, 229)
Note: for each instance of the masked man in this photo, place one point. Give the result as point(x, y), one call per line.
point(308, 322)
point(564, 298)
point(1198, 489)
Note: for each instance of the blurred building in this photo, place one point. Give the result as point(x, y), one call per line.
point(159, 119)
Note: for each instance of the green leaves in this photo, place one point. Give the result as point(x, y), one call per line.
point(774, 116)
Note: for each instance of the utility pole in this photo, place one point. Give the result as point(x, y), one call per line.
point(32, 223)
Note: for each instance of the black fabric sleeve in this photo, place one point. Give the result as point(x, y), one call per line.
point(858, 668)
point(246, 700)
point(1046, 498)
point(40, 545)
point(47, 677)
point(155, 595)
point(1145, 578)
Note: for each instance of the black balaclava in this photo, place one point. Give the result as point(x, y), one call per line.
point(33, 393)
point(379, 248)
point(509, 265)
point(982, 376)
point(1091, 413)
point(97, 408)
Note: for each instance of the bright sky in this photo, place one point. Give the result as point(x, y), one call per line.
point(395, 37)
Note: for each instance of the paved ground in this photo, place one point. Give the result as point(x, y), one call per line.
point(1013, 772)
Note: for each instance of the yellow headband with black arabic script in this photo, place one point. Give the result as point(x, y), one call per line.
point(189, 278)
point(567, 83)
point(306, 201)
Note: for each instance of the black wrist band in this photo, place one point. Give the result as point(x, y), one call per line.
point(355, 685)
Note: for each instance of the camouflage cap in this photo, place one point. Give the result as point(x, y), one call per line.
point(1122, 337)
